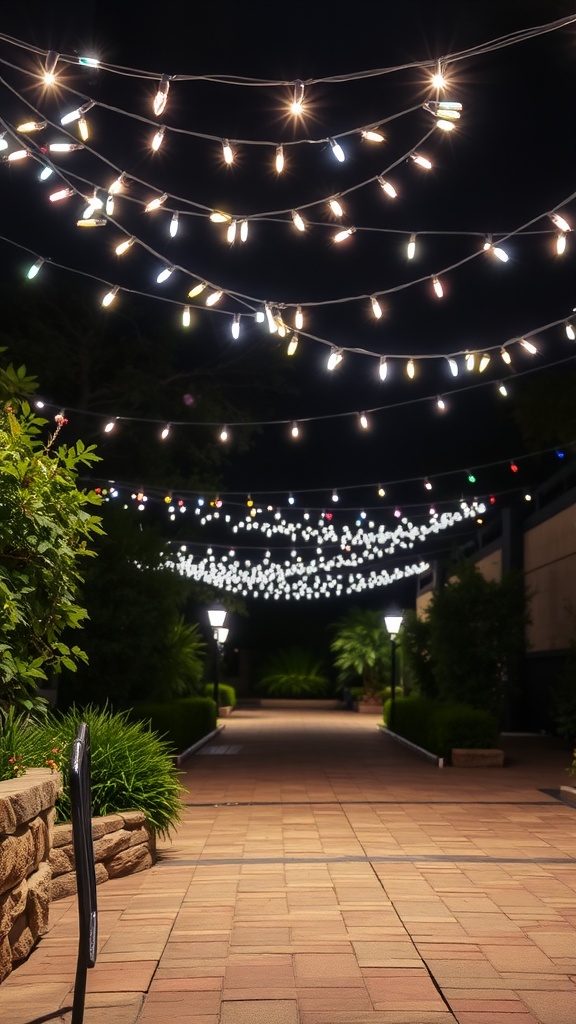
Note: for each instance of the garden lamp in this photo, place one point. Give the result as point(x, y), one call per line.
point(393, 622)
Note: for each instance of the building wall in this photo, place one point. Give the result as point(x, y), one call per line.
point(550, 572)
point(491, 566)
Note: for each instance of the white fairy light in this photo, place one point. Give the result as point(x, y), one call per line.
point(383, 368)
point(110, 296)
point(570, 332)
point(235, 328)
point(279, 163)
point(387, 187)
point(411, 369)
point(174, 224)
point(186, 316)
point(337, 150)
point(298, 221)
point(243, 230)
point(227, 152)
point(161, 97)
point(484, 361)
point(124, 246)
point(341, 236)
point(422, 161)
point(334, 359)
point(370, 135)
point(502, 389)
point(453, 366)
point(336, 207)
point(33, 270)
point(411, 248)
point(529, 347)
point(299, 318)
point(165, 274)
point(158, 138)
point(437, 285)
point(292, 345)
point(213, 298)
point(560, 222)
point(560, 244)
point(376, 307)
point(156, 203)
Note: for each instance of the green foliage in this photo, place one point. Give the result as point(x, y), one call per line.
point(438, 727)
point(226, 694)
point(131, 766)
point(416, 651)
point(361, 649)
point(564, 698)
point(45, 527)
point(180, 722)
point(476, 633)
point(293, 673)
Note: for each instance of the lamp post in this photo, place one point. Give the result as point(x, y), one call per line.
point(393, 622)
point(217, 618)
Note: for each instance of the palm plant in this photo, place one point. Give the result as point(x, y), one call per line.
point(361, 649)
point(294, 673)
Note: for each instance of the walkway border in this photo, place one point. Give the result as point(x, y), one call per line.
point(413, 746)
point(180, 758)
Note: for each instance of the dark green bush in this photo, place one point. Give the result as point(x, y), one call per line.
point(294, 673)
point(438, 727)
point(181, 722)
point(226, 694)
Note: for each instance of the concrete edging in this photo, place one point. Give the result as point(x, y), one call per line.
point(180, 758)
point(413, 746)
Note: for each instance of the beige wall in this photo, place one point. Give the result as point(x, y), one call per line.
point(550, 572)
point(491, 566)
point(422, 602)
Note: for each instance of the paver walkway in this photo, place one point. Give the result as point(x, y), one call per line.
point(324, 874)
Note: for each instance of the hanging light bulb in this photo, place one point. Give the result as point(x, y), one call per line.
point(411, 250)
point(471, 477)
point(186, 316)
point(33, 270)
point(529, 346)
point(336, 207)
point(64, 147)
point(243, 230)
point(223, 435)
point(109, 427)
point(341, 236)
point(279, 159)
point(470, 361)
point(158, 138)
point(291, 499)
point(335, 497)
point(438, 80)
point(298, 221)
point(124, 246)
point(484, 361)
point(570, 332)
point(560, 222)
point(46, 173)
point(560, 244)
point(161, 96)
point(292, 345)
point(165, 432)
point(91, 222)
point(197, 290)
point(213, 298)
point(49, 76)
point(165, 274)
point(75, 115)
point(294, 430)
point(220, 218)
point(381, 491)
point(445, 125)
point(272, 324)
point(453, 366)
point(363, 420)
point(334, 359)
point(83, 129)
point(383, 368)
point(505, 356)
point(440, 404)
point(422, 161)
point(297, 105)
point(31, 126)
point(156, 203)
point(502, 389)
point(231, 233)
point(227, 152)
point(427, 484)
point(62, 193)
point(337, 150)
point(174, 224)
point(376, 307)
point(235, 328)
point(437, 285)
point(110, 296)
point(410, 369)
point(299, 319)
point(387, 187)
point(370, 135)
point(118, 184)
point(17, 154)
point(513, 467)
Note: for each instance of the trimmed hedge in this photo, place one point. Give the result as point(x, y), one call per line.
point(438, 727)
point(180, 722)
point(226, 694)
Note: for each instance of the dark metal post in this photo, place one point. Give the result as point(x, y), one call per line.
point(215, 692)
point(392, 683)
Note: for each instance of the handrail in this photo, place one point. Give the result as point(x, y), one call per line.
point(80, 792)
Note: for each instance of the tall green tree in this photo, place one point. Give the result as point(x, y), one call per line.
point(361, 649)
point(46, 527)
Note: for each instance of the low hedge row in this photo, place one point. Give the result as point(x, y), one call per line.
point(438, 727)
point(181, 722)
point(226, 694)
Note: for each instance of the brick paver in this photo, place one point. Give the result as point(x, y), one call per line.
point(324, 874)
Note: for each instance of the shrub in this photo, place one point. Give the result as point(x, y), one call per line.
point(294, 673)
point(181, 722)
point(438, 727)
point(226, 694)
point(131, 766)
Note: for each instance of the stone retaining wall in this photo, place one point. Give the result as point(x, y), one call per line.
point(123, 844)
point(26, 825)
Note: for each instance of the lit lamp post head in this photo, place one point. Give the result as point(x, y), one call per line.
point(216, 616)
point(393, 622)
point(221, 634)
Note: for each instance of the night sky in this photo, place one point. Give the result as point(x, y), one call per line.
point(509, 161)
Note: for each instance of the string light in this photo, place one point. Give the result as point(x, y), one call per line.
point(186, 316)
point(165, 274)
point(341, 236)
point(337, 150)
point(294, 430)
point(223, 435)
point(336, 207)
point(570, 332)
point(297, 105)
point(33, 270)
point(49, 76)
point(363, 420)
point(372, 136)
point(174, 224)
point(470, 361)
point(292, 345)
point(227, 152)
point(83, 129)
point(440, 404)
point(17, 154)
point(231, 233)
point(161, 97)
point(387, 187)
point(484, 362)
point(560, 222)
point(529, 347)
point(243, 230)
point(560, 244)
point(437, 285)
point(109, 427)
point(118, 185)
point(427, 484)
point(335, 358)
point(503, 389)
point(383, 368)
point(513, 467)
point(31, 126)
point(156, 203)
point(62, 193)
point(422, 161)
point(299, 319)
point(220, 218)
point(235, 328)
point(158, 138)
point(453, 366)
point(197, 290)
point(124, 246)
point(335, 496)
point(75, 115)
point(279, 159)
point(109, 297)
point(298, 221)
point(505, 356)
point(411, 369)
point(165, 432)
point(381, 491)
point(91, 222)
point(64, 147)
point(46, 173)
point(376, 307)
point(411, 249)
point(438, 80)
point(213, 298)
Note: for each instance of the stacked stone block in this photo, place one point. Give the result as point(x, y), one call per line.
point(123, 845)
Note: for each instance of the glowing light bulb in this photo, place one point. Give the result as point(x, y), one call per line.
point(83, 129)
point(165, 274)
point(156, 203)
point(336, 207)
point(484, 361)
point(64, 147)
point(223, 435)
point(410, 369)
point(165, 432)
point(334, 359)
point(503, 390)
point(471, 477)
point(197, 290)
point(505, 356)
point(161, 97)
point(560, 244)
point(124, 246)
point(570, 332)
point(31, 126)
point(363, 419)
point(243, 230)
point(231, 233)
point(387, 187)
point(341, 236)
point(453, 366)
point(158, 138)
point(49, 76)
point(411, 249)
point(470, 361)
point(219, 218)
point(376, 307)
point(438, 80)
point(33, 270)
point(397, 513)
point(272, 323)
point(186, 316)
point(437, 285)
point(513, 467)
point(292, 345)
point(227, 152)
point(381, 491)
point(422, 161)
point(297, 105)
point(62, 193)
point(299, 319)
point(383, 368)
point(110, 296)
point(279, 159)
point(18, 154)
point(109, 427)
point(118, 185)
point(427, 484)
point(298, 221)
point(370, 135)
point(213, 298)
point(335, 496)
point(291, 499)
point(45, 173)
point(337, 150)
point(294, 430)
point(529, 346)
point(89, 62)
point(560, 222)
point(91, 222)
point(174, 224)
point(445, 125)
point(440, 404)
point(235, 328)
